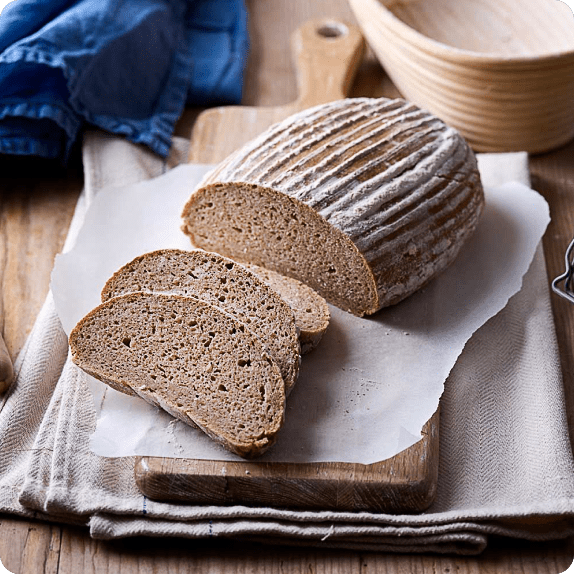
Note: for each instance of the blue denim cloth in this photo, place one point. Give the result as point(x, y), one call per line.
point(127, 66)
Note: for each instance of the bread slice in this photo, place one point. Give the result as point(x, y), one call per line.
point(311, 311)
point(364, 200)
point(221, 282)
point(190, 358)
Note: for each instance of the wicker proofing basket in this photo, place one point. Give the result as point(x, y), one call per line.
point(500, 71)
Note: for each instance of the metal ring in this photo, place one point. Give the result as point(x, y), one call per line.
point(567, 291)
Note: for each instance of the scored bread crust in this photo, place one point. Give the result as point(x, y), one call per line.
point(190, 358)
point(365, 200)
point(223, 283)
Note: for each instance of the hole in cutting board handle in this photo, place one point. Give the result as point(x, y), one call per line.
point(332, 30)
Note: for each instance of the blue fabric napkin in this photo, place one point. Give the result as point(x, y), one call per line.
point(127, 66)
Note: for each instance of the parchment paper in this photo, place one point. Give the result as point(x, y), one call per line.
point(366, 392)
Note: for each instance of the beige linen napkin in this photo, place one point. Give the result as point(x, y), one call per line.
point(506, 466)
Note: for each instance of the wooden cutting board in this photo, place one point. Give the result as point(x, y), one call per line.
point(327, 54)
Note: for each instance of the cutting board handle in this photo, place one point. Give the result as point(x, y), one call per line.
point(327, 54)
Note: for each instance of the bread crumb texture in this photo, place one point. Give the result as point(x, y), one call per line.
point(223, 283)
point(311, 311)
point(364, 200)
point(190, 358)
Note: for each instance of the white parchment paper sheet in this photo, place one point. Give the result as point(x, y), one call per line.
point(366, 392)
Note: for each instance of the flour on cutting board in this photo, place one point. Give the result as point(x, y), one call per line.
point(366, 392)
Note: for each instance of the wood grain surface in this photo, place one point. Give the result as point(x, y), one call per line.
point(36, 206)
point(6, 367)
point(326, 55)
point(405, 483)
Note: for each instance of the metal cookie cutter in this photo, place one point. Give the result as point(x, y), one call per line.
point(567, 290)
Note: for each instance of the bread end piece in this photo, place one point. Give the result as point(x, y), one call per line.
point(311, 311)
point(364, 199)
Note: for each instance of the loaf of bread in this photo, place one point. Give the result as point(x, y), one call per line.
point(221, 282)
point(364, 200)
point(311, 311)
point(195, 361)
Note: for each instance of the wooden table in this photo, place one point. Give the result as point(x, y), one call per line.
point(37, 200)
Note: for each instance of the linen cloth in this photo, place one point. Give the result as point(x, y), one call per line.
point(505, 468)
point(127, 66)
